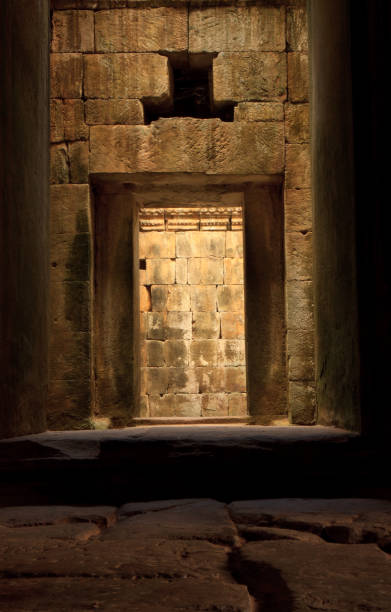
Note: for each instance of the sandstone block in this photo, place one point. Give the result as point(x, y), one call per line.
point(231, 352)
point(206, 325)
point(156, 245)
point(127, 75)
point(156, 325)
point(237, 404)
point(241, 77)
point(143, 379)
point(160, 272)
point(144, 406)
point(182, 380)
point(72, 31)
point(233, 271)
point(74, 126)
point(214, 404)
point(162, 406)
point(212, 244)
point(211, 379)
point(176, 353)
point(142, 277)
point(79, 161)
point(298, 256)
point(300, 350)
point(297, 29)
point(205, 271)
point(203, 353)
point(159, 297)
point(143, 354)
point(111, 112)
point(300, 305)
point(298, 210)
point(66, 75)
point(259, 111)
point(69, 355)
point(56, 121)
point(181, 271)
point(298, 77)
point(234, 244)
point(70, 257)
point(230, 298)
point(178, 298)
point(203, 298)
point(143, 324)
point(302, 403)
point(145, 299)
point(188, 405)
point(298, 166)
point(297, 123)
point(179, 325)
point(59, 169)
point(157, 381)
point(70, 305)
point(235, 379)
point(188, 244)
point(143, 30)
point(155, 354)
point(232, 325)
point(236, 28)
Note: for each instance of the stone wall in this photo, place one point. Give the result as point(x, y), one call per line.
point(108, 65)
point(192, 313)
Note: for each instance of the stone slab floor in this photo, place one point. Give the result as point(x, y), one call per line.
point(198, 554)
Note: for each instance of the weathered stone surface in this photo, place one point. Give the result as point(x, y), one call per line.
point(214, 404)
point(300, 305)
point(156, 325)
point(66, 75)
point(203, 353)
point(234, 244)
point(70, 305)
point(151, 29)
point(160, 271)
point(69, 356)
point(205, 271)
point(206, 325)
point(27, 516)
point(297, 29)
point(298, 77)
point(237, 404)
point(178, 298)
point(203, 298)
point(162, 406)
point(72, 31)
point(156, 380)
point(179, 325)
point(156, 245)
point(259, 111)
point(251, 534)
point(235, 380)
point(176, 353)
point(145, 299)
point(159, 297)
point(297, 126)
point(231, 352)
point(249, 77)
point(302, 401)
point(187, 405)
point(75, 127)
point(182, 380)
point(211, 379)
point(59, 169)
point(236, 28)
point(233, 271)
point(155, 355)
point(181, 271)
point(70, 257)
point(300, 350)
point(298, 210)
point(111, 112)
point(187, 244)
point(45, 534)
point(230, 298)
point(298, 253)
point(298, 166)
point(232, 325)
point(127, 75)
point(78, 160)
point(56, 121)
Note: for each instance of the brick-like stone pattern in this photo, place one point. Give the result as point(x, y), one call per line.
point(192, 349)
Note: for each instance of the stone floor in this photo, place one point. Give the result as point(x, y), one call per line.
point(301, 555)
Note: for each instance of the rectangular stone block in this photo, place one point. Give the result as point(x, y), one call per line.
point(56, 121)
point(59, 166)
point(298, 256)
point(143, 324)
point(230, 298)
point(205, 271)
point(235, 379)
point(157, 381)
point(156, 325)
point(182, 380)
point(162, 406)
point(188, 244)
point(187, 405)
point(111, 112)
point(300, 351)
point(143, 380)
point(298, 77)
point(298, 166)
point(203, 353)
point(156, 245)
point(127, 75)
point(212, 244)
point(211, 379)
point(231, 352)
point(206, 325)
point(160, 272)
point(214, 404)
point(69, 355)
point(297, 29)
point(299, 305)
point(72, 31)
point(66, 75)
point(302, 403)
point(75, 127)
point(176, 353)
point(297, 123)
point(143, 352)
point(203, 298)
point(241, 77)
point(259, 111)
point(141, 29)
point(234, 244)
point(70, 209)
point(236, 28)
point(155, 353)
point(179, 325)
point(298, 210)
point(144, 407)
point(232, 325)
point(181, 271)
point(233, 271)
point(159, 297)
point(145, 299)
point(70, 257)
point(70, 306)
point(79, 161)
point(237, 404)
point(178, 298)
point(142, 277)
